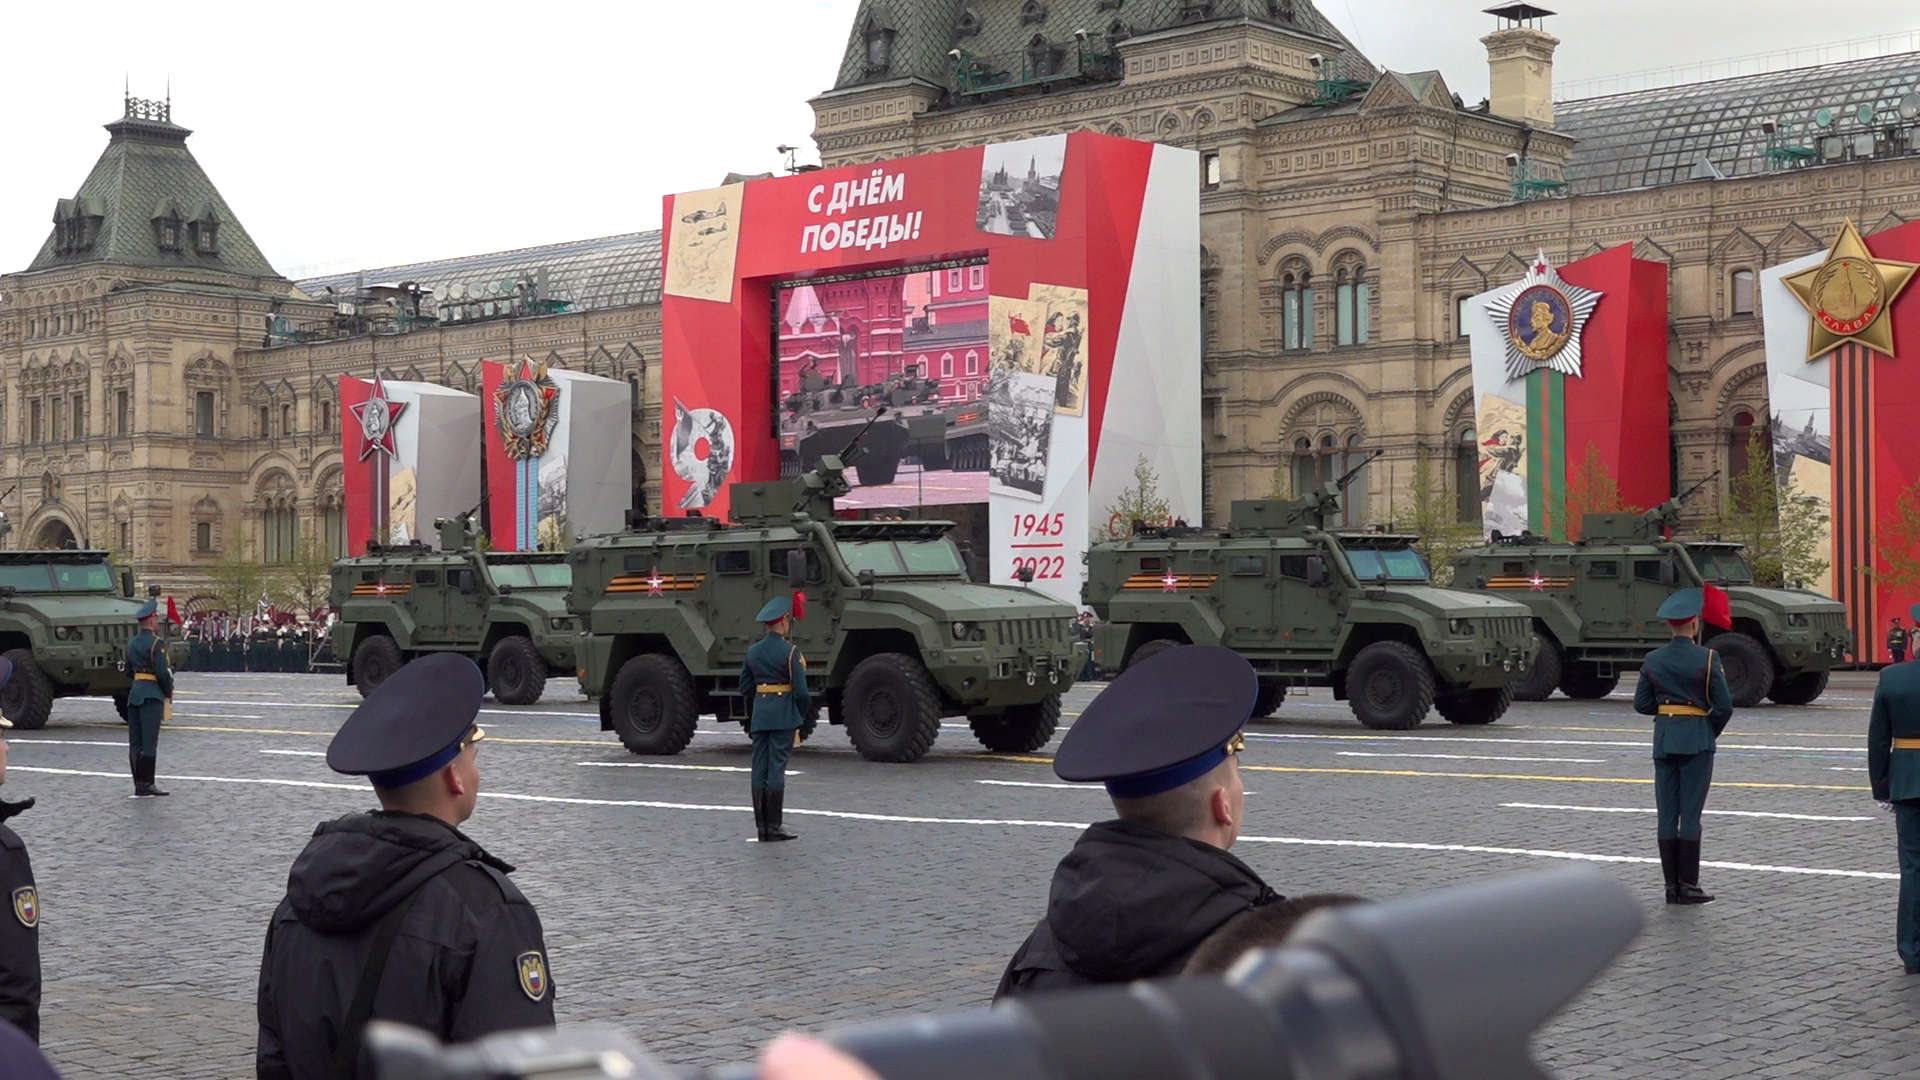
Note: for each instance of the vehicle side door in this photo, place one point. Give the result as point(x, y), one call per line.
point(815, 633)
point(466, 599)
point(1309, 598)
point(733, 595)
point(1250, 602)
point(427, 598)
point(1654, 576)
point(1601, 595)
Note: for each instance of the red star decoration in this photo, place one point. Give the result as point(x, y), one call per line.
point(1539, 583)
point(378, 401)
point(1540, 268)
point(654, 583)
point(1170, 583)
point(380, 589)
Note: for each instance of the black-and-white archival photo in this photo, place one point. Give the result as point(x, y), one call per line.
point(1019, 432)
point(1020, 187)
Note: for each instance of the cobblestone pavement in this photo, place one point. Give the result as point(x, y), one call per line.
point(912, 884)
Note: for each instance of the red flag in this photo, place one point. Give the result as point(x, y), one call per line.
point(1716, 609)
point(799, 604)
point(173, 613)
point(1019, 325)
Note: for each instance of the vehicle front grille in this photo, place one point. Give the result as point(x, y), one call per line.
point(110, 633)
point(1833, 622)
point(1029, 631)
point(1510, 628)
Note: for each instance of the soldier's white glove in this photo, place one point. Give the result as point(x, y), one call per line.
point(1885, 806)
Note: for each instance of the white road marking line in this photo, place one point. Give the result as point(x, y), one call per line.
point(354, 705)
point(1451, 740)
point(297, 753)
point(1470, 757)
point(1846, 768)
point(1649, 810)
point(664, 765)
point(905, 819)
point(1095, 788)
point(11, 741)
point(218, 716)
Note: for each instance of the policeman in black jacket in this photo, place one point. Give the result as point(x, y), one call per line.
point(20, 926)
point(1136, 896)
point(395, 914)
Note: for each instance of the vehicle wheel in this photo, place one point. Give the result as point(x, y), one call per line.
point(1748, 666)
point(1473, 707)
point(1268, 701)
point(1583, 683)
point(892, 711)
point(1541, 679)
point(27, 699)
point(1391, 686)
point(120, 704)
point(1799, 689)
point(515, 671)
point(1149, 650)
point(375, 660)
point(653, 705)
point(1022, 729)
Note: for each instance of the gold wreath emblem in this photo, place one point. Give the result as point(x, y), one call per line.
point(523, 410)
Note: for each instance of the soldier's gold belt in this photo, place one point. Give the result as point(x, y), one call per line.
point(146, 676)
point(1906, 744)
point(1682, 710)
point(775, 688)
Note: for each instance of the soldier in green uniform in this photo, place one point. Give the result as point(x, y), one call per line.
point(1897, 640)
point(1893, 768)
point(147, 700)
point(1684, 688)
point(774, 679)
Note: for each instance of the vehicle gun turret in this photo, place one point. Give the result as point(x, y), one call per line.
point(811, 493)
point(457, 533)
point(1645, 527)
point(1310, 511)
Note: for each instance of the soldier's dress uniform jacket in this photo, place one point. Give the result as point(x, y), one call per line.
point(1893, 770)
point(1897, 643)
point(774, 678)
point(19, 929)
point(146, 704)
point(468, 957)
point(1683, 686)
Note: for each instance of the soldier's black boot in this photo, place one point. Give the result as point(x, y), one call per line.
point(1690, 890)
point(1670, 867)
point(133, 766)
point(147, 763)
point(775, 798)
point(760, 814)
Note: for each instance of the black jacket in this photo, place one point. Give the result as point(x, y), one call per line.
point(468, 959)
point(19, 930)
point(1130, 902)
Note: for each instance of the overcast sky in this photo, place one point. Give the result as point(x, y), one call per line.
point(361, 136)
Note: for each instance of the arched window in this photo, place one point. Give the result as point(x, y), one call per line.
point(326, 416)
point(1746, 437)
point(1296, 309)
point(633, 392)
point(1740, 292)
point(1466, 476)
point(1305, 467)
point(1350, 305)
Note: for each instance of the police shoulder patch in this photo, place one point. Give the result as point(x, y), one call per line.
point(533, 974)
point(26, 906)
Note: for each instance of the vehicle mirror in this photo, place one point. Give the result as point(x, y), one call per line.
point(506, 590)
point(126, 584)
point(1025, 574)
point(153, 590)
point(796, 569)
point(866, 584)
point(1316, 571)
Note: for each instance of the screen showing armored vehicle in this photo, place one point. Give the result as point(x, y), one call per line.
point(894, 635)
point(64, 623)
point(1310, 606)
point(506, 610)
point(1593, 604)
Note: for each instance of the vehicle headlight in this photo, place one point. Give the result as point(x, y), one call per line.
point(1795, 619)
point(1459, 627)
point(561, 624)
point(963, 631)
point(66, 633)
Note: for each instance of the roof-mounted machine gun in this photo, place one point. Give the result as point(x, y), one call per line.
point(457, 533)
point(1309, 511)
point(1646, 527)
point(811, 493)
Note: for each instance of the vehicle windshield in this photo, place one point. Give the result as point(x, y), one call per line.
point(531, 575)
point(1394, 564)
point(902, 558)
point(1721, 566)
point(58, 577)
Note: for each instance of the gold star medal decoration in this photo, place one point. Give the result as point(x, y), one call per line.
point(1848, 296)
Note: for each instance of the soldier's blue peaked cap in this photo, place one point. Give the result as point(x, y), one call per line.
point(777, 608)
point(1162, 723)
point(411, 724)
point(1685, 604)
point(146, 609)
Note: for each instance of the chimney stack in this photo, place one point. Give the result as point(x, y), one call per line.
point(1520, 65)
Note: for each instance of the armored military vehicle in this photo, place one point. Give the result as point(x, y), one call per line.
point(1592, 605)
point(894, 635)
point(1311, 606)
point(64, 624)
point(967, 449)
point(506, 610)
point(822, 418)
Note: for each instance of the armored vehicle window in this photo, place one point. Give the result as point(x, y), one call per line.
point(82, 577)
point(462, 580)
point(1152, 564)
point(1722, 566)
point(426, 577)
point(733, 562)
point(777, 563)
point(539, 575)
point(1400, 564)
point(1607, 569)
point(26, 578)
point(1513, 568)
point(902, 557)
point(1249, 566)
point(1293, 566)
point(369, 575)
point(1647, 570)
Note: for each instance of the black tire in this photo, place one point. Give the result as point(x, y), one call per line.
point(375, 660)
point(1474, 707)
point(120, 704)
point(515, 671)
point(1582, 682)
point(653, 706)
point(891, 708)
point(1390, 686)
point(1543, 677)
point(1149, 650)
point(1800, 689)
point(1268, 701)
point(27, 699)
point(1748, 665)
point(1022, 729)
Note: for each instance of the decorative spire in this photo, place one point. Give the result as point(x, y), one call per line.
point(150, 109)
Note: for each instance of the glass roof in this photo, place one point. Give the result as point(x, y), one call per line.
point(610, 271)
point(1826, 114)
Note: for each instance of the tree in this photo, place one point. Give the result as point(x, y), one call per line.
point(1141, 502)
point(238, 579)
point(1434, 519)
point(1897, 536)
point(303, 581)
point(1590, 490)
point(1781, 527)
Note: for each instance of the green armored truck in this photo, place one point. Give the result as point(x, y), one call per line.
point(894, 634)
point(1592, 605)
point(64, 623)
point(506, 610)
point(1311, 606)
